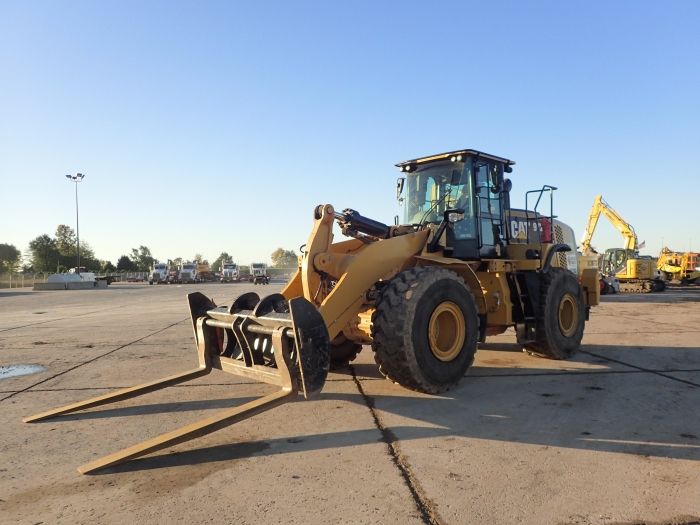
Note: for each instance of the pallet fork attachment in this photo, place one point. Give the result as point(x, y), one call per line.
point(275, 341)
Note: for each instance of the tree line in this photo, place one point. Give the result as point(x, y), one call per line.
point(57, 254)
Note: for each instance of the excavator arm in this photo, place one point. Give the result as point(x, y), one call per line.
point(625, 228)
point(593, 217)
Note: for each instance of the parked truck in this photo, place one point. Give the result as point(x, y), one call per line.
point(173, 276)
point(188, 272)
point(229, 272)
point(204, 272)
point(258, 273)
point(159, 274)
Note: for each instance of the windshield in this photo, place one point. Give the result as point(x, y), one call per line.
point(229, 266)
point(435, 188)
point(257, 265)
point(160, 267)
point(615, 260)
point(188, 266)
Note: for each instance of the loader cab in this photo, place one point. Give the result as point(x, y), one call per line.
point(469, 181)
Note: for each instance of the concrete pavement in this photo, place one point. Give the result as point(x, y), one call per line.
point(611, 436)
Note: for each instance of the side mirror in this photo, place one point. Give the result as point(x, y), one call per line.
point(453, 215)
point(507, 185)
point(450, 216)
point(399, 187)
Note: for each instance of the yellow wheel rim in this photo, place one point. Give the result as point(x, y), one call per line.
point(446, 331)
point(568, 315)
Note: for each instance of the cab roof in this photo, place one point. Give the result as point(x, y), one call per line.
point(450, 154)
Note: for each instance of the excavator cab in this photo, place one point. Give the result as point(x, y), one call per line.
point(466, 191)
point(615, 260)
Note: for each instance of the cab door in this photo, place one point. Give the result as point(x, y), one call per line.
point(462, 236)
point(488, 182)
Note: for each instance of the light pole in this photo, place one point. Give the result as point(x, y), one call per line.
point(77, 178)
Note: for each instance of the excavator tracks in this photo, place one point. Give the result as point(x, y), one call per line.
point(642, 286)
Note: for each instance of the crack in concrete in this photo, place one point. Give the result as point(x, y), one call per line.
point(641, 368)
point(91, 360)
point(424, 505)
point(61, 318)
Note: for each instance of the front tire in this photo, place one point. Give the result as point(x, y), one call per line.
point(425, 329)
point(561, 316)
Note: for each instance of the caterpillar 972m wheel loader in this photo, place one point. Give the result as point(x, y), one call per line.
point(461, 267)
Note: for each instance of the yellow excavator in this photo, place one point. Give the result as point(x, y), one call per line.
point(679, 266)
point(463, 265)
point(636, 274)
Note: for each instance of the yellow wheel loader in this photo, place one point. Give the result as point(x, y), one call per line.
point(461, 266)
point(682, 267)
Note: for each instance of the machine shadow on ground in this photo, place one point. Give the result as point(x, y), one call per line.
point(4, 294)
point(672, 295)
point(599, 410)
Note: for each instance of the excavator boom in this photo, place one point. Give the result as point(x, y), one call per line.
point(601, 207)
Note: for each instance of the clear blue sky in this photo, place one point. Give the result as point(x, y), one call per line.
point(205, 127)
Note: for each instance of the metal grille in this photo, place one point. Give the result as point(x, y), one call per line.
point(559, 239)
point(558, 234)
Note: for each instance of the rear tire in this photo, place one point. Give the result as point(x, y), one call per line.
point(425, 329)
point(561, 317)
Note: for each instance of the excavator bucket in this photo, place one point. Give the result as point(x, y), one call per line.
point(273, 340)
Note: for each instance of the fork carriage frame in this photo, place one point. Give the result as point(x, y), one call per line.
point(300, 349)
